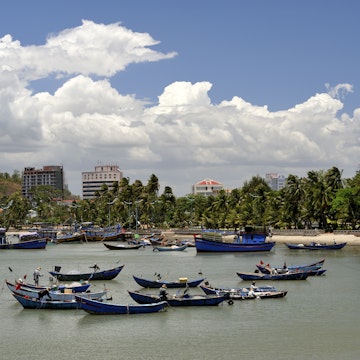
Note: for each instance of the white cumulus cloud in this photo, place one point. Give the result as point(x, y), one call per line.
point(182, 139)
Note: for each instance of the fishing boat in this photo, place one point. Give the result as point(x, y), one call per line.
point(265, 292)
point(300, 275)
point(157, 283)
point(250, 240)
point(50, 294)
point(25, 245)
point(179, 299)
point(35, 303)
point(73, 237)
point(267, 269)
point(74, 287)
point(95, 275)
point(316, 246)
point(123, 246)
point(170, 248)
point(31, 242)
point(103, 308)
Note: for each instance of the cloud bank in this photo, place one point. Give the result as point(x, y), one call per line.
point(182, 139)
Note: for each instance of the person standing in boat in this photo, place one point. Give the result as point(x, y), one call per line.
point(252, 290)
point(45, 292)
point(163, 293)
point(37, 275)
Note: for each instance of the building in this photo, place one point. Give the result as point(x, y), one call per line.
point(50, 175)
point(275, 181)
point(92, 181)
point(207, 187)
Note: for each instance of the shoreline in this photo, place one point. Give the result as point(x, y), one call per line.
point(351, 240)
point(294, 239)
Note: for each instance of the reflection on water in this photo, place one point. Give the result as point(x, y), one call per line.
point(318, 319)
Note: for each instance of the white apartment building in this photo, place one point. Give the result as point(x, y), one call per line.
point(92, 181)
point(275, 181)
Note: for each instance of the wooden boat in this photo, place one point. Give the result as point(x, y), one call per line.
point(179, 300)
point(57, 295)
point(157, 283)
point(316, 246)
point(266, 292)
point(267, 269)
point(74, 287)
point(96, 275)
point(70, 238)
point(123, 246)
point(103, 308)
point(170, 248)
point(25, 245)
point(34, 303)
point(300, 275)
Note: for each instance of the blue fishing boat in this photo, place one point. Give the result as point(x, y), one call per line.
point(316, 246)
point(250, 240)
point(25, 243)
point(183, 299)
point(103, 308)
point(300, 275)
point(158, 283)
point(35, 303)
point(95, 275)
point(50, 294)
point(267, 269)
point(264, 292)
point(74, 287)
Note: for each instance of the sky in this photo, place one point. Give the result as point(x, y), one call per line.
point(186, 90)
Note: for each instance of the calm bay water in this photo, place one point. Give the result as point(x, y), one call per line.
point(318, 319)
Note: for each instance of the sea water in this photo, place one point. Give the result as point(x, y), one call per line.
point(318, 319)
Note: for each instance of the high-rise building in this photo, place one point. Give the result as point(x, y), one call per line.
point(49, 175)
point(92, 181)
point(207, 187)
point(275, 181)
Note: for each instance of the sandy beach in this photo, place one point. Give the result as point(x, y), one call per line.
point(322, 238)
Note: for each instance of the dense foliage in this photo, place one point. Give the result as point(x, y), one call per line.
point(323, 199)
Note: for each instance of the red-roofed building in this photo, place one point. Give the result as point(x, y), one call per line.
point(207, 187)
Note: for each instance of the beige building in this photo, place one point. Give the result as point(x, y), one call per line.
point(207, 187)
point(92, 181)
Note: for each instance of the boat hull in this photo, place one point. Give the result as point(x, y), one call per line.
point(244, 293)
point(25, 245)
point(33, 303)
point(315, 246)
point(101, 308)
point(196, 300)
point(74, 288)
point(258, 276)
point(123, 246)
point(169, 284)
point(266, 269)
point(205, 245)
point(97, 275)
point(170, 248)
point(57, 295)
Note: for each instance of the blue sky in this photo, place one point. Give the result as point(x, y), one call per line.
point(186, 90)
